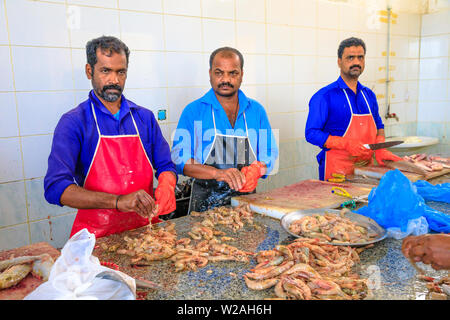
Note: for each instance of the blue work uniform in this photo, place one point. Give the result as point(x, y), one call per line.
point(204, 133)
point(76, 136)
point(331, 110)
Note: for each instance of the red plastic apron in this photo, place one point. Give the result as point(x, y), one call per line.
point(361, 128)
point(119, 166)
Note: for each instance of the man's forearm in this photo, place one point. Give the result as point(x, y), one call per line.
point(199, 171)
point(80, 198)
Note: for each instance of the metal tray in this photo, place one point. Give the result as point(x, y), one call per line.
point(361, 220)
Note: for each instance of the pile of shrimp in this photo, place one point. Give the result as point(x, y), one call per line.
point(308, 269)
point(193, 256)
point(332, 228)
point(209, 247)
point(438, 289)
point(234, 218)
point(157, 243)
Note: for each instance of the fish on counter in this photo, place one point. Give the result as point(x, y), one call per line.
point(428, 162)
point(14, 270)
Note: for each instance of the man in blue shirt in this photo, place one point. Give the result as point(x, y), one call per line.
point(104, 152)
point(224, 139)
point(343, 116)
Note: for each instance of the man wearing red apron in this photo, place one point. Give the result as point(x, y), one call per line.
point(343, 116)
point(109, 146)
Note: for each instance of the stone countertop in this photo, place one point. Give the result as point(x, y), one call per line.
point(390, 273)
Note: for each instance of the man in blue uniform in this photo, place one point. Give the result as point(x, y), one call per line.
point(343, 116)
point(224, 139)
point(104, 152)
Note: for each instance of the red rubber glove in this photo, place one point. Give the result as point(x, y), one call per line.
point(354, 147)
point(383, 154)
point(165, 193)
point(252, 173)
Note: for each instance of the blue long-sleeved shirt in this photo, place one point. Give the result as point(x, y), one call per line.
point(194, 135)
point(329, 114)
point(75, 139)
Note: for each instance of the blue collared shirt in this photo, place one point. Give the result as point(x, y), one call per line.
point(194, 136)
point(75, 139)
point(329, 113)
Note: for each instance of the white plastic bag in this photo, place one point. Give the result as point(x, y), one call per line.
point(76, 274)
point(415, 227)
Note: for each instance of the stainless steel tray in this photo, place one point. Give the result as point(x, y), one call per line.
point(361, 220)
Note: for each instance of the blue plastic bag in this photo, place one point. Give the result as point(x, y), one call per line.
point(396, 206)
point(439, 192)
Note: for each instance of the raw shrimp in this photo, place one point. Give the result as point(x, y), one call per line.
point(260, 285)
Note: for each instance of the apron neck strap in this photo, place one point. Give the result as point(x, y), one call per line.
point(350, 105)
point(214, 122)
point(132, 118)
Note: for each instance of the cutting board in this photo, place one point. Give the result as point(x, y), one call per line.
point(29, 283)
point(306, 194)
point(378, 172)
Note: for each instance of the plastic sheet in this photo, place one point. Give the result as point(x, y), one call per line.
point(397, 206)
point(78, 275)
point(439, 192)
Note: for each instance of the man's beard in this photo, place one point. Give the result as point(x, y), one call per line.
point(109, 96)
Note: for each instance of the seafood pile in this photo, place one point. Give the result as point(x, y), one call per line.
point(438, 289)
point(331, 227)
point(308, 269)
point(14, 270)
point(428, 163)
point(210, 248)
point(234, 218)
point(204, 245)
point(157, 243)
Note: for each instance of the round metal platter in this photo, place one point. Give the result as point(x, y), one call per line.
point(361, 220)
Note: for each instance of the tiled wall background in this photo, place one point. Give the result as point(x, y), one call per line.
point(434, 80)
point(290, 52)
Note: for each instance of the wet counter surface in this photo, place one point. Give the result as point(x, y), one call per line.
point(390, 274)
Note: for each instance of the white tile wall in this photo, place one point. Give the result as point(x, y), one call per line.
point(91, 23)
point(9, 126)
point(289, 48)
point(30, 106)
point(142, 31)
point(39, 68)
point(223, 9)
point(11, 160)
point(251, 37)
point(3, 33)
point(39, 30)
point(183, 7)
point(6, 80)
point(213, 28)
point(141, 5)
point(434, 75)
point(183, 33)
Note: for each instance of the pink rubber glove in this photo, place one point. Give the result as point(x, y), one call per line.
point(383, 154)
point(252, 174)
point(165, 193)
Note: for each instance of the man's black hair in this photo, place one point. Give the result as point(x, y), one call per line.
point(226, 49)
point(350, 42)
point(106, 44)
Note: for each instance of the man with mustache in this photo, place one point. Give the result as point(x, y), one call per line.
point(224, 139)
point(343, 116)
point(104, 152)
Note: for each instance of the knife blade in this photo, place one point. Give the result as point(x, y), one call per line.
point(382, 145)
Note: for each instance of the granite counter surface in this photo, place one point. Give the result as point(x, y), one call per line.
point(390, 274)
